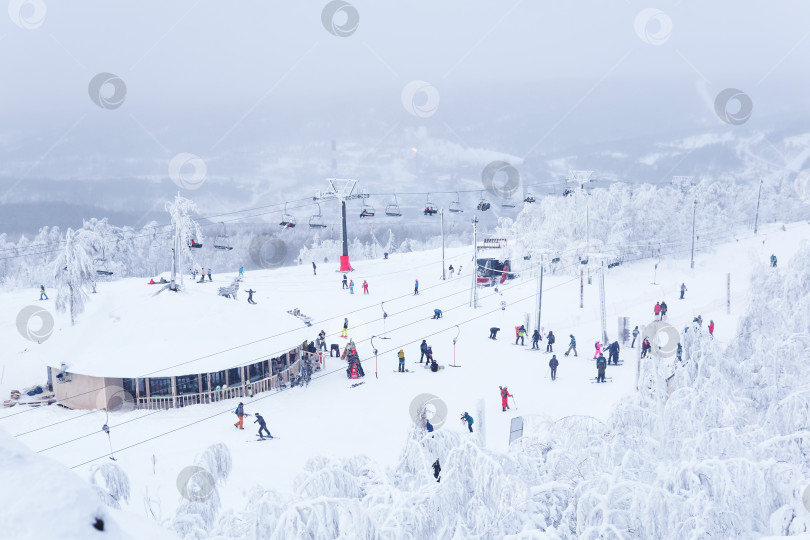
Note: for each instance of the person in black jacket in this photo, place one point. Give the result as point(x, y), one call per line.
point(262, 426)
point(493, 333)
point(613, 356)
point(601, 364)
point(437, 469)
point(550, 341)
point(423, 349)
point(553, 363)
point(535, 339)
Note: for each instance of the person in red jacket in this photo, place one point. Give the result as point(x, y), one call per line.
point(711, 328)
point(504, 397)
point(657, 310)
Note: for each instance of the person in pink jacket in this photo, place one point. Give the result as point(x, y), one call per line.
point(657, 310)
point(598, 349)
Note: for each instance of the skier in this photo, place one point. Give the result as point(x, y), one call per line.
point(635, 335)
point(416, 287)
point(711, 328)
point(663, 311)
point(429, 354)
point(209, 275)
point(493, 332)
point(365, 287)
point(351, 286)
point(679, 352)
point(614, 353)
point(657, 311)
point(240, 413)
point(345, 332)
point(428, 426)
point(424, 349)
point(645, 347)
point(193, 274)
point(520, 333)
point(572, 345)
point(504, 397)
point(683, 289)
point(598, 347)
point(42, 293)
point(466, 418)
point(401, 355)
point(550, 339)
point(345, 282)
point(601, 364)
point(536, 339)
point(437, 469)
point(553, 363)
point(437, 314)
point(773, 261)
point(202, 275)
point(262, 426)
point(451, 270)
point(241, 272)
point(698, 320)
point(250, 296)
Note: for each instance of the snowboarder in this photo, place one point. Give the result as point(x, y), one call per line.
point(550, 339)
point(434, 366)
point(451, 270)
point(553, 363)
point(262, 426)
point(322, 337)
point(601, 364)
point(424, 349)
point(401, 355)
point(505, 395)
point(437, 314)
point(42, 293)
point(428, 426)
point(493, 332)
point(437, 469)
point(657, 311)
point(711, 328)
point(250, 296)
point(351, 286)
point(345, 332)
point(466, 418)
point(365, 287)
point(645, 347)
point(345, 282)
point(683, 289)
point(521, 332)
point(209, 275)
point(536, 339)
point(663, 311)
point(202, 275)
point(613, 356)
point(240, 413)
point(635, 335)
point(598, 347)
point(572, 345)
point(773, 261)
point(416, 287)
point(241, 272)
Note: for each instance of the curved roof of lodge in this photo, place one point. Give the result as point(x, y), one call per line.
point(130, 331)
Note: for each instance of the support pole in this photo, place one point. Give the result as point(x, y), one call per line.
point(756, 217)
point(602, 302)
point(694, 213)
point(474, 292)
point(540, 295)
point(441, 221)
point(728, 293)
point(588, 237)
point(173, 285)
point(581, 287)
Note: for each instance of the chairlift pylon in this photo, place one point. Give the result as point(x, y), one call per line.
point(222, 241)
point(455, 206)
point(287, 220)
point(393, 209)
point(430, 208)
point(316, 220)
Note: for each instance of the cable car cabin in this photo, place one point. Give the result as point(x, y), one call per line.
point(194, 244)
point(430, 210)
point(483, 205)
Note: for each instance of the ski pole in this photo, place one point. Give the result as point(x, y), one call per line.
point(515, 402)
point(547, 372)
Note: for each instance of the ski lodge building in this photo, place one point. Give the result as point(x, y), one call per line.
point(174, 349)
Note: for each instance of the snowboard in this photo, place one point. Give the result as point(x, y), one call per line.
point(440, 367)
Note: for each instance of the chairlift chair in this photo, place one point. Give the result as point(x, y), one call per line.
point(430, 208)
point(104, 269)
point(393, 209)
point(222, 241)
point(455, 206)
point(529, 198)
point(508, 202)
point(367, 211)
point(316, 220)
point(287, 220)
point(483, 204)
point(194, 244)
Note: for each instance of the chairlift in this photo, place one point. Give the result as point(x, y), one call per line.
point(430, 208)
point(287, 220)
point(529, 198)
point(483, 204)
point(316, 220)
point(104, 269)
point(508, 202)
point(393, 209)
point(455, 206)
point(222, 241)
point(367, 211)
point(194, 244)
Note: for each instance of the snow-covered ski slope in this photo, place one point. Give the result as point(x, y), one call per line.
point(329, 418)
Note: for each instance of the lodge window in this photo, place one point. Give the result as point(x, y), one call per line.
point(160, 386)
point(188, 384)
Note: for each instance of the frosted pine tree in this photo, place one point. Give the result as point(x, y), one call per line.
point(73, 271)
point(111, 484)
point(187, 229)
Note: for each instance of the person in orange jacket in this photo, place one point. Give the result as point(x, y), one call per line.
point(240, 413)
point(504, 397)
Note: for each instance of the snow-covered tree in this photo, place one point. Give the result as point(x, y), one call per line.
point(73, 271)
point(181, 210)
point(111, 484)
